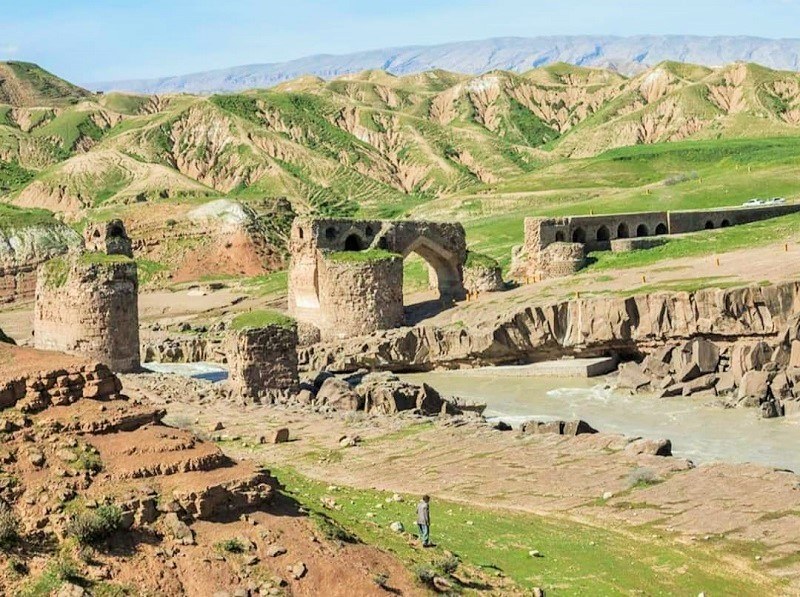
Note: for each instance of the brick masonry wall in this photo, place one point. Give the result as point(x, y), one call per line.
point(262, 359)
point(92, 311)
point(359, 298)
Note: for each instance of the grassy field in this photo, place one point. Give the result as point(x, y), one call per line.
point(575, 559)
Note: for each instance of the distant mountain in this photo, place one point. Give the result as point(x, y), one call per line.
point(627, 55)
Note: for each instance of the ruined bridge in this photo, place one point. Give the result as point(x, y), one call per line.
point(350, 295)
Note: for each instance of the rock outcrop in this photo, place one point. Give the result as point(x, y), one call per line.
point(23, 249)
point(751, 372)
point(587, 327)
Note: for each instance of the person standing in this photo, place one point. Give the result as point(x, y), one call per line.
point(424, 520)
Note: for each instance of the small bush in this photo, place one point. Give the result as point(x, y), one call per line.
point(9, 526)
point(425, 574)
point(381, 579)
point(231, 546)
point(643, 477)
point(90, 526)
point(447, 564)
point(333, 532)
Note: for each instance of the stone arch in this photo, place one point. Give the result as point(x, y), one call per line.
point(579, 235)
point(642, 230)
point(353, 243)
point(116, 230)
point(603, 234)
point(661, 228)
point(623, 231)
point(559, 237)
point(709, 225)
point(330, 233)
point(443, 273)
point(725, 224)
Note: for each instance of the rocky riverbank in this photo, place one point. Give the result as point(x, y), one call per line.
point(630, 326)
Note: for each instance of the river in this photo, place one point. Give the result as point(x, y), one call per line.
point(699, 429)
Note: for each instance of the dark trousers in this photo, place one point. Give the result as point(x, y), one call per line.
point(424, 533)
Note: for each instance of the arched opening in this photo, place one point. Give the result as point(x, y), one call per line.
point(603, 234)
point(559, 237)
point(622, 231)
point(352, 243)
point(300, 232)
point(115, 232)
point(709, 225)
point(431, 280)
point(642, 230)
point(330, 233)
point(579, 235)
point(369, 230)
point(725, 224)
point(96, 233)
point(661, 229)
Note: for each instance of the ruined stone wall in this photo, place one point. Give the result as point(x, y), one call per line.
point(623, 245)
point(609, 231)
point(316, 296)
point(562, 259)
point(692, 221)
point(89, 308)
point(358, 298)
point(479, 279)
point(261, 360)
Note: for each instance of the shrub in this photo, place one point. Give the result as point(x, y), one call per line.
point(381, 579)
point(231, 546)
point(91, 526)
point(425, 574)
point(642, 477)
point(333, 532)
point(9, 526)
point(447, 564)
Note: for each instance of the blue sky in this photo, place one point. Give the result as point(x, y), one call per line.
point(93, 40)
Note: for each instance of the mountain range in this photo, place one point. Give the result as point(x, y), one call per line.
point(627, 55)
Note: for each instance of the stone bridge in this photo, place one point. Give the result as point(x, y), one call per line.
point(557, 246)
point(350, 295)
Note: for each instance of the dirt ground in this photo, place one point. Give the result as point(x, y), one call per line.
point(722, 505)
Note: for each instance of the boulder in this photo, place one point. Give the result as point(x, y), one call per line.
point(631, 376)
point(794, 358)
point(770, 409)
point(780, 388)
point(688, 372)
point(754, 388)
point(725, 383)
point(653, 447)
point(705, 355)
point(704, 382)
point(541, 427)
point(749, 357)
point(276, 436)
point(577, 427)
point(658, 362)
point(338, 395)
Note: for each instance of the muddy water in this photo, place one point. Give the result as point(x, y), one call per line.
point(699, 430)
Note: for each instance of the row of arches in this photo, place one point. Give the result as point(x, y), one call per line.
point(603, 233)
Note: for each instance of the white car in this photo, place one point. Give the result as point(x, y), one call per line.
point(777, 200)
point(753, 202)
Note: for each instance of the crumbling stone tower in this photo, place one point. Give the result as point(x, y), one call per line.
point(87, 304)
point(261, 351)
point(109, 238)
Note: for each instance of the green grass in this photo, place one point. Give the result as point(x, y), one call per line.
point(15, 217)
point(361, 256)
point(261, 319)
point(13, 176)
point(577, 559)
point(272, 283)
point(479, 260)
point(100, 258)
